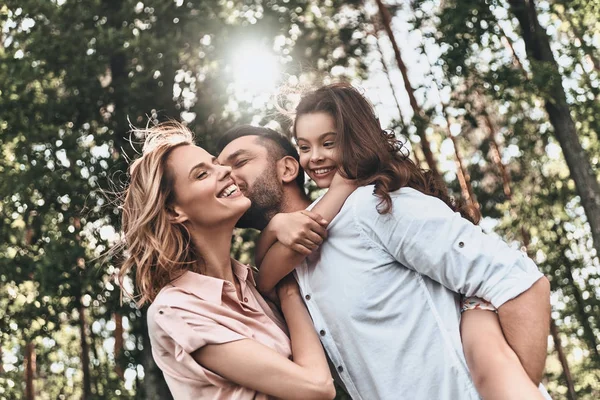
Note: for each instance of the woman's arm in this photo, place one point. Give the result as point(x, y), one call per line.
point(280, 260)
point(255, 366)
point(495, 368)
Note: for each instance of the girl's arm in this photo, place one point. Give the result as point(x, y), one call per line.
point(255, 366)
point(309, 232)
point(280, 260)
point(495, 368)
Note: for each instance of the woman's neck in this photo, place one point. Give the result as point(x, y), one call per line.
point(214, 247)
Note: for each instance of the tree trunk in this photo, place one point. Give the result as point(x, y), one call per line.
point(590, 336)
point(509, 44)
point(386, 72)
point(496, 155)
point(118, 343)
point(577, 32)
point(563, 360)
point(418, 117)
point(85, 353)
point(1, 363)
point(463, 176)
point(29, 371)
point(545, 68)
point(389, 79)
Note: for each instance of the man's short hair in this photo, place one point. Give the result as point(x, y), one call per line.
point(277, 145)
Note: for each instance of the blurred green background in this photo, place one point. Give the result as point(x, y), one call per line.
point(500, 98)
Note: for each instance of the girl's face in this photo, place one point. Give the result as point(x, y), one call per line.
point(316, 138)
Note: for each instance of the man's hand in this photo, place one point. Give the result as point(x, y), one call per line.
point(302, 231)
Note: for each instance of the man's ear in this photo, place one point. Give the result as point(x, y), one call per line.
point(288, 169)
point(176, 215)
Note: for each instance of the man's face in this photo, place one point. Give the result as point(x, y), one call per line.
point(255, 173)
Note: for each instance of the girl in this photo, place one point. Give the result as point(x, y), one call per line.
point(354, 146)
point(212, 334)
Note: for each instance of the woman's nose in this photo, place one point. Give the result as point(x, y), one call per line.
point(224, 171)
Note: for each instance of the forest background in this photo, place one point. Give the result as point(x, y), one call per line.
point(499, 97)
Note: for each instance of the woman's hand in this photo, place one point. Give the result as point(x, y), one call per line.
point(288, 288)
point(302, 231)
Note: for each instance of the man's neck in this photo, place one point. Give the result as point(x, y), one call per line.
point(294, 200)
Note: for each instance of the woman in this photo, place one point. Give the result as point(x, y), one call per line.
point(336, 130)
point(212, 334)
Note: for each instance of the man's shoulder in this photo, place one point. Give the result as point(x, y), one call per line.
point(405, 201)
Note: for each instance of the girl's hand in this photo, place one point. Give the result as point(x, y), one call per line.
point(302, 231)
point(339, 181)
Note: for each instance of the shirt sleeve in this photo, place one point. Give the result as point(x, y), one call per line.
point(191, 330)
point(424, 234)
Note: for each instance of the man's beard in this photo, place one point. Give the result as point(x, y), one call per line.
point(266, 196)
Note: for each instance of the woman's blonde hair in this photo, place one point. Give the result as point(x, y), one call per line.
point(156, 249)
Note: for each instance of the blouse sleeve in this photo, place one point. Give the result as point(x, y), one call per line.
point(191, 330)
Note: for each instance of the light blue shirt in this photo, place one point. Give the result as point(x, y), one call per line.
point(383, 293)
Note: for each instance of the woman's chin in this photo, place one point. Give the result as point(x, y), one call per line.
point(244, 205)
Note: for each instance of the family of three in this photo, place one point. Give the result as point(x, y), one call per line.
point(384, 284)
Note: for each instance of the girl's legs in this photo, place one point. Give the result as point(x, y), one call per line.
point(495, 368)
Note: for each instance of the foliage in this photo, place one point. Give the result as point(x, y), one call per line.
point(74, 74)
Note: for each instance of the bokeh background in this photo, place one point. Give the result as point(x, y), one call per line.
point(499, 97)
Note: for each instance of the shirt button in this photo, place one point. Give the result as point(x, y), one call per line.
point(461, 244)
point(307, 297)
point(322, 332)
point(245, 299)
point(340, 369)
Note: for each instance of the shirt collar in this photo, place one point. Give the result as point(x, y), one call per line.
point(209, 288)
point(243, 272)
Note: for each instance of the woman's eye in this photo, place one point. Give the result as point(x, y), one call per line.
point(202, 175)
point(304, 148)
point(329, 144)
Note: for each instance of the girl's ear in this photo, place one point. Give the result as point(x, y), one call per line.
point(176, 215)
point(288, 169)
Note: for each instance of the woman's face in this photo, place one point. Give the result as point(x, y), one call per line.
point(316, 138)
point(205, 194)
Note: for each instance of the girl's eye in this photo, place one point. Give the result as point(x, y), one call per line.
point(304, 148)
point(329, 144)
point(202, 175)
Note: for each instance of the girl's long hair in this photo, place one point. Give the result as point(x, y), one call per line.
point(370, 154)
point(156, 249)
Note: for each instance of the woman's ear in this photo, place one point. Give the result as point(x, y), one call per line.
point(176, 215)
point(288, 169)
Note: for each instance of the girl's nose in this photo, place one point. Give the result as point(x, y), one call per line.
point(316, 156)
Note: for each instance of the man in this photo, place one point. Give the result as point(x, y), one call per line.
point(387, 336)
